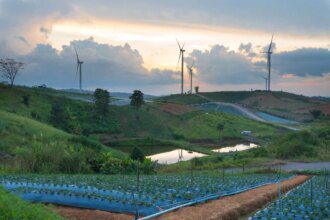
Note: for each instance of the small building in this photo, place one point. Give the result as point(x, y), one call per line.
point(246, 133)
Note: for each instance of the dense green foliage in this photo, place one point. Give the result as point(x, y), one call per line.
point(13, 208)
point(137, 154)
point(102, 100)
point(308, 143)
point(137, 99)
point(36, 147)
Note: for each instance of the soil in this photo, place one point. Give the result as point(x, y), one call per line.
point(226, 208)
point(73, 213)
point(325, 109)
point(234, 207)
point(176, 109)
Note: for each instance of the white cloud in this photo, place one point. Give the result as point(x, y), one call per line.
point(219, 65)
point(104, 66)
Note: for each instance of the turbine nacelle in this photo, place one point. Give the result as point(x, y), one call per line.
point(79, 64)
point(181, 57)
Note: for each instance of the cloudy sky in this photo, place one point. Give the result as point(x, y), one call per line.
point(131, 44)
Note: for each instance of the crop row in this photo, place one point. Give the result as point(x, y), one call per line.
point(155, 191)
point(308, 201)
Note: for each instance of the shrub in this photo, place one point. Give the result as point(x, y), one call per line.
point(137, 154)
point(26, 100)
point(52, 158)
point(295, 144)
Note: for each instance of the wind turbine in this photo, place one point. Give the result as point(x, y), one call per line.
point(269, 53)
point(190, 68)
point(266, 80)
point(181, 56)
point(79, 64)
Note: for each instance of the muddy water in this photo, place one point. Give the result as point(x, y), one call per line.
point(174, 156)
point(237, 147)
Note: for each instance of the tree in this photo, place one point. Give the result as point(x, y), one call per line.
point(58, 116)
point(137, 99)
point(316, 113)
point(137, 154)
point(102, 100)
point(220, 128)
point(10, 68)
point(26, 100)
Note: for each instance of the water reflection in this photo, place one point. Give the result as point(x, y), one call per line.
point(238, 147)
point(174, 156)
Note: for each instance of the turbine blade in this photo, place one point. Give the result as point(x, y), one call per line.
point(76, 52)
point(178, 44)
point(75, 78)
point(271, 42)
point(179, 59)
point(192, 65)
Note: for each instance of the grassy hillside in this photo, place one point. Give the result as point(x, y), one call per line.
point(202, 125)
point(31, 146)
point(171, 125)
point(13, 208)
point(282, 104)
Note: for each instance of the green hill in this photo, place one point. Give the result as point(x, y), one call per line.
point(29, 145)
point(154, 124)
point(281, 104)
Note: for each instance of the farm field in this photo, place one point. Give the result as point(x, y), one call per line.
point(308, 201)
point(118, 193)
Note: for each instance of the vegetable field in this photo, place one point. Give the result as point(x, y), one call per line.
point(118, 193)
point(308, 201)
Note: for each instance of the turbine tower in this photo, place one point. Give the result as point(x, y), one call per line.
point(79, 65)
point(266, 81)
point(190, 68)
point(269, 53)
point(181, 56)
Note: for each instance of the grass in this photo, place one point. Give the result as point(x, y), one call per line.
point(17, 130)
point(187, 99)
point(202, 125)
point(126, 123)
point(13, 208)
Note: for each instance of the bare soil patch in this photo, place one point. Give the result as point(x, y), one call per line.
point(176, 109)
point(325, 109)
point(234, 207)
point(73, 213)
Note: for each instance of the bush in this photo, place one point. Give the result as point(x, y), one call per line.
point(26, 100)
point(53, 158)
point(137, 154)
point(295, 144)
point(259, 152)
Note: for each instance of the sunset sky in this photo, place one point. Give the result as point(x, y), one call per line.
point(131, 44)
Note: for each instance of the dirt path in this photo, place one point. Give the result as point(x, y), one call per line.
point(233, 207)
point(72, 213)
point(226, 208)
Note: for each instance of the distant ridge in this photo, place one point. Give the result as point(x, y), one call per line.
point(121, 95)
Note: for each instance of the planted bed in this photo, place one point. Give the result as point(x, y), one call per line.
point(308, 201)
point(118, 193)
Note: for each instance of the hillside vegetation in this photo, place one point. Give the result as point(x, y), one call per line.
point(13, 208)
point(282, 104)
point(153, 120)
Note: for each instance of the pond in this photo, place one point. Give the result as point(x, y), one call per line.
point(238, 147)
point(175, 156)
